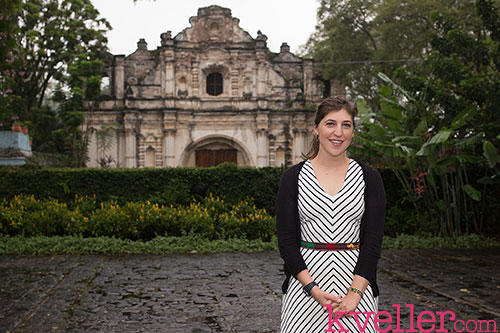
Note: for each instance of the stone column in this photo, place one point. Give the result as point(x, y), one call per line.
point(140, 152)
point(302, 144)
point(308, 80)
point(130, 149)
point(272, 149)
point(130, 146)
point(298, 147)
point(169, 147)
point(170, 79)
point(169, 132)
point(129, 123)
point(167, 70)
point(299, 125)
point(163, 76)
point(113, 149)
point(92, 148)
point(120, 161)
point(262, 149)
point(262, 72)
point(119, 76)
point(234, 75)
point(262, 121)
point(261, 80)
point(195, 79)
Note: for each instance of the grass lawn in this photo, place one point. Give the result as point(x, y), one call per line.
point(42, 245)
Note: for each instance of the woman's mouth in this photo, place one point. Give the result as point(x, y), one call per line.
point(336, 142)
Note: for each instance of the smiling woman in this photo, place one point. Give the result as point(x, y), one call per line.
point(329, 215)
point(334, 121)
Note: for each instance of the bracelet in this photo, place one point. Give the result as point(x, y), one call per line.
point(356, 291)
point(308, 287)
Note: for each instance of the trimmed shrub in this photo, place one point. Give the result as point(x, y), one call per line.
point(87, 188)
point(165, 186)
point(211, 218)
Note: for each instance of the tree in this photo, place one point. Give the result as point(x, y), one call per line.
point(84, 81)
point(356, 39)
point(462, 70)
point(439, 124)
point(344, 35)
point(52, 33)
point(8, 64)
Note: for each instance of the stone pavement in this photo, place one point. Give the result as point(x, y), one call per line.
point(227, 292)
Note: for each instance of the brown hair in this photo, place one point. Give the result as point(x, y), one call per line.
point(328, 105)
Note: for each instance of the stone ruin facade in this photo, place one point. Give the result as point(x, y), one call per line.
point(211, 94)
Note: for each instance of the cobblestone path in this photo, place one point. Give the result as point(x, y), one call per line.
point(228, 292)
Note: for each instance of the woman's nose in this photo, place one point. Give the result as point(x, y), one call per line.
point(337, 130)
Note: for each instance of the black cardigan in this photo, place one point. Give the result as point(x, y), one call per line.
point(371, 229)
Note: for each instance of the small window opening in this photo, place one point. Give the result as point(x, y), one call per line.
point(214, 84)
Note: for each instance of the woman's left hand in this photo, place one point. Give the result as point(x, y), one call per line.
point(349, 303)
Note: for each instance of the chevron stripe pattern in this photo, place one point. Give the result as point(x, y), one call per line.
point(328, 219)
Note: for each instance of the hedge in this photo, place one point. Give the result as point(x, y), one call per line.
point(161, 185)
point(211, 218)
point(165, 185)
point(174, 186)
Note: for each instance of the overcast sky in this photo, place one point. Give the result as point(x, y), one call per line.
point(290, 21)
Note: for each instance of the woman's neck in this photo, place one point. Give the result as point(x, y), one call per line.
point(328, 161)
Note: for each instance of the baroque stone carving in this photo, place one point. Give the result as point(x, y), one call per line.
point(169, 82)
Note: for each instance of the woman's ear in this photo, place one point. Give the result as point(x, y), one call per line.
point(315, 130)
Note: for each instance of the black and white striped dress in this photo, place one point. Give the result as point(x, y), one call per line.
point(327, 219)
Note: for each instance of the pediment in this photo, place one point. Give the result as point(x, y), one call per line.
point(214, 24)
point(287, 57)
point(141, 53)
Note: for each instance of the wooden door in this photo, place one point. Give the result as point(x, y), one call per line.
point(210, 157)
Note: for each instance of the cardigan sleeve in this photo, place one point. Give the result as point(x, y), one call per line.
point(372, 226)
point(287, 226)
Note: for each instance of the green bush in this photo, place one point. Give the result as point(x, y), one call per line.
point(164, 186)
point(83, 190)
point(245, 220)
point(176, 192)
point(211, 218)
point(24, 215)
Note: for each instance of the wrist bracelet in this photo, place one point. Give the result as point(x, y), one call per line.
point(356, 291)
point(308, 287)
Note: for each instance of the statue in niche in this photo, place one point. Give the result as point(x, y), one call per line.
point(182, 91)
point(247, 88)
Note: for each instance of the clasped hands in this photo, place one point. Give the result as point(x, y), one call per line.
point(348, 303)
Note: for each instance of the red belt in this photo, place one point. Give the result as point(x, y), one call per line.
point(330, 246)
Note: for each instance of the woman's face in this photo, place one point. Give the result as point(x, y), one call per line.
point(335, 132)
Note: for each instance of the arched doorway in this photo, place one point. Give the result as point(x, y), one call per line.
point(214, 150)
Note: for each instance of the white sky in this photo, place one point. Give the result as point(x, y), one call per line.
point(291, 21)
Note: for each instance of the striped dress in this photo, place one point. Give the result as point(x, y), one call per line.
point(328, 219)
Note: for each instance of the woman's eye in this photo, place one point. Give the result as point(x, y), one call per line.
point(330, 124)
point(347, 125)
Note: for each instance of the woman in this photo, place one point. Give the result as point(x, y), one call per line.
point(330, 214)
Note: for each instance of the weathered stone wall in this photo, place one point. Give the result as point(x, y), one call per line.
point(162, 113)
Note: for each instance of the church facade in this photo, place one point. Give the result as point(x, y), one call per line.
point(211, 94)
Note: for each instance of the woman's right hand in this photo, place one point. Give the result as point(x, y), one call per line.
point(322, 297)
